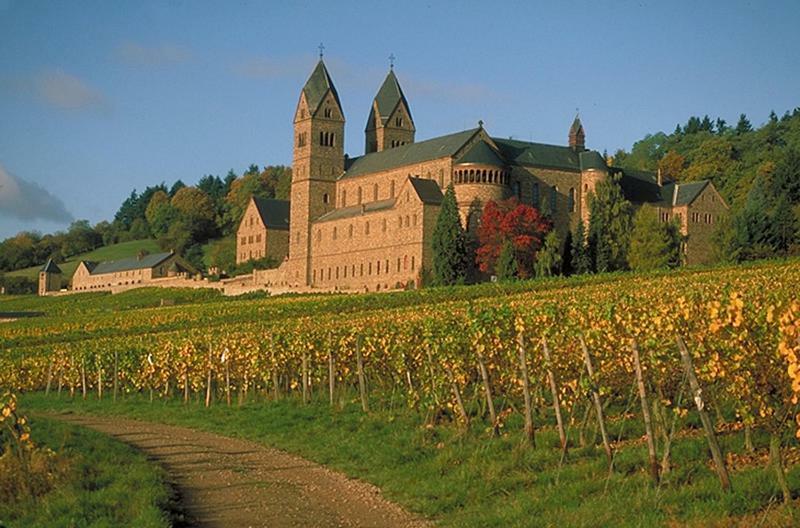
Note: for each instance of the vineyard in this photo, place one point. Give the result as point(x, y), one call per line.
point(706, 353)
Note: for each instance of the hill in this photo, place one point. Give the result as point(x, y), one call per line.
point(112, 252)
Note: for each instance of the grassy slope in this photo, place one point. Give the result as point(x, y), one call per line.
point(113, 252)
point(470, 480)
point(107, 484)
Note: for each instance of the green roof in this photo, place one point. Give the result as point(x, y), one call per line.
point(576, 127)
point(127, 264)
point(591, 159)
point(50, 267)
point(676, 194)
point(539, 154)
point(317, 86)
point(410, 154)
point(427, 190)
point(389, 96)
point(639, 186)
point(357, 210)
point(482, 153)
point(274, 213)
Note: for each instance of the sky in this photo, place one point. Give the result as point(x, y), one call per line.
point(99, 98)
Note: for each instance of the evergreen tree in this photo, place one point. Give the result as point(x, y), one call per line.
point(566, 255)
point(783, 226)
point(609, 226)
point(653, 244)
point(743, 125)
point(548, 259)
point(450, 264)
point(506, 268)
point(580, 253)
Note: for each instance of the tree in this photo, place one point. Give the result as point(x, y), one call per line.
point(672, 165)
point(783, 226)
point(580, 255)
point(450, 265)
point(609, 226)
point(521, 225)
point(653, 244)
point(160, 214)
point(548, 259)
point(507, 263)
point(743, 125)
point(177, 186)
point(195, 205)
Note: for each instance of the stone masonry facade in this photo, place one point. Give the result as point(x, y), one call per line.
point(365, 223)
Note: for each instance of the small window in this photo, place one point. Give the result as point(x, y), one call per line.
point(334, 233)
point(325, 198)
point(398, 121)
point(571, 202)
point(535, 198)
point(553, 199)
point(328, 112)
point(375, 192)
point(517, 189)
point(366, 228)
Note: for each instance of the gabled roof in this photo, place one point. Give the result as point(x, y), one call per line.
point(482, 153)
point(50, 267)
point(317, 87)
point(591, 159)
point(130, 263)
point(90, 264)
point(274, 213)
point(539, 154)
point(677, 194)
point(640, 186)
point(389, 96)
point(427, 190)
point(357, 210)
point(577, 126)
point(409, 154)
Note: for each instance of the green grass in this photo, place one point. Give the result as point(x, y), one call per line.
point(112, 252)
point(470, 480)
point(107, 483)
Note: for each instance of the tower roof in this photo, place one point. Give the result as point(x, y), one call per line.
point(482, 153)
point(577, 126)
point(388, 97)
point(50, 267)
point(317, 87)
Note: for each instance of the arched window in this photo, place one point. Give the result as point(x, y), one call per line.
point(535, 195)
point(375, 192)
point(328, 112)
point(571, 200)
point(384, 225)
point(322, 138)
point(332, 140)
point(334, 233)
point(344, 197)
point(325, 198)
point(391, 189)
point(518, 189)
point(398, 121)
point(553, 197)
point(366, 228)
point(360, 195)
point(350, 231)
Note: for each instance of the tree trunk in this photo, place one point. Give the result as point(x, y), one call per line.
point(362, 382)
point(598, 406)
point(526, 390)
point(551, 378)
point(697, 392)
point(748, 438)
point(651, 446)
point(777, 463)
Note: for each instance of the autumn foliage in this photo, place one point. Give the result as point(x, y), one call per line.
point(510, 221)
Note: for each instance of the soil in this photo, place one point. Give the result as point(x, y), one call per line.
point(229, 482)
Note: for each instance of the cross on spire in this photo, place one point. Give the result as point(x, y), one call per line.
point(321, 49)
point(391, 61)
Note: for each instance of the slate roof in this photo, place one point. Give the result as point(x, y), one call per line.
point(357, 210)
point(640, 186)
point(317, 86)
point(427, 190)
point(539, 154)
point(274, 213)
point(576, 127)
point(389, 96)
point(50, 267)
point(127, 264)
point(591, 159)
point(677, 194)
point(408, 154)
point(482, 153)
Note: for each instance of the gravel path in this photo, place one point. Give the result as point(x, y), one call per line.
point(227, 482)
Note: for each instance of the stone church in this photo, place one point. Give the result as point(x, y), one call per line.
point(365, 223)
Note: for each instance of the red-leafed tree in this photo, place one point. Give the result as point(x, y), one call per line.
point(510, 221)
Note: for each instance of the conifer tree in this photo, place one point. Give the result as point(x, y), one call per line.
point(450, 264)
point(506, 268)
point(548, 259)
point(580, 253)
point(653, 244)
point(609, 226)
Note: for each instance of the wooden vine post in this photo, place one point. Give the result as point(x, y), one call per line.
point(457, 393)
point(648, 426)
point(362, 382)
point(99, 382)
point(697, 393)
point(488, 391)
point(551, 378)
point(305, 376)
point(598, 406)
point(116, 374)
point(526, 389)
point(83, 377)
point(331, 375)
point(208, 380)
point(49, 377)
point(226, 360)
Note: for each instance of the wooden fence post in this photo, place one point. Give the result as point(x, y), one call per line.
point(362, 382)
point(598, 406)
point(562, 435)
point(526, 389)
point(651, 446)
point(697, 393)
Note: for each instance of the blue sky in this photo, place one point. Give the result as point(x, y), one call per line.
point(98, 97)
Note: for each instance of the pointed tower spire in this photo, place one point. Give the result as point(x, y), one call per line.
point(389, 123)
point(317, 87)
point(577, 137)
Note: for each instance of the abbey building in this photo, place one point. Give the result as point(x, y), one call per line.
point(365, 223)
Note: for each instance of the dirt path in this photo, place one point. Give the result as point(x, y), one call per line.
point(228, 482)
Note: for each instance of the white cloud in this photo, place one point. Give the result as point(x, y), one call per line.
point(24, 200)
point(56, 88)
point(163, 54)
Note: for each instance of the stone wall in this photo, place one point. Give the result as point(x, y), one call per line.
point(386, 184)
point(702, 217)
point(251, 237)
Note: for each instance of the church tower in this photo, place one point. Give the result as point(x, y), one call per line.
point(49, 278)
point(389, 124)
point(318, 162)
point(577, 137)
